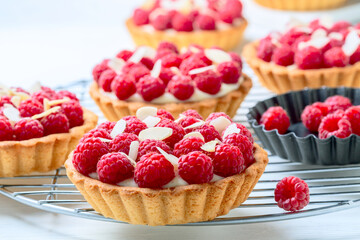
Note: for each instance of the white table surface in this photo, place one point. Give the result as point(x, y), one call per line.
point(55, 42)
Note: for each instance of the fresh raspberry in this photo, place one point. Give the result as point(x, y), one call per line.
point(30, 107)
point(244, 131)
point(182, 23)
point(337, 102)
point(188, 145)
point(237, 59)
point(265, 49)
point(292, 194)
point(216, 115)
point(324, 108)
point(333, 43)
point(124, 55)
point(106, 79)
point(191, 63)
point(64, 93)
point(192, 113)
point(205, 22)
point(178, 131)
point(187, 121)
point(147, 62)
point(353, 114)
point(162, 53)
point(5, 100)
point(335, 57)
point(165, 114)
point(160, 21)
point(55, 123)
point(316, 24)
point(19, 90)
point(303, 38)
point(244, 144)
point(209, 132)
point(229, 72)
point(311, 118)
point(150, 88)
point(226, 15)
point(275, 118)
point(166, 74)
point(290, 37)
point(121, 143)
point(228, 160)
point(194, 14)
point(153, 171)
point(97, 133)
point(123, 86)
point(283, 56)
point(73, 112)
point(141, 17)
point(236, 6)
point(208, 81)
point(149, 145)
point(107, 125)
point(87, 154)
point(167, 45)
point(48, 91)
point(355, 57)
point(196, 168)
point(114, 167)
point(28, 128)
point(98, 69)
point(201, 56)
point(137, 71)
point(335, 124)
point(182, 87)
point(134, 125)
point(309, 58)
point(171, 60)
point(340, 25)
point(41, 95)
point(7, 130)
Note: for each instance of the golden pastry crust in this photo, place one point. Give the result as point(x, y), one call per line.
point(177, 205)
point(226, 39)
point(115, 109)
point(281, 79)
point(301, 5)
point(42, 154)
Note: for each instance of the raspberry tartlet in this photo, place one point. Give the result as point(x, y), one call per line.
point(321, 53)
point(154, 170)
point(301, 5)
point(184, 22)
point(206, 80)
point(39, 129)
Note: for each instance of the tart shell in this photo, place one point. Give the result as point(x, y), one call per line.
point(177, 205)
point(301, 5)
point(281, 79)
point(42, 154)
point(115, 109)
point(226, 39)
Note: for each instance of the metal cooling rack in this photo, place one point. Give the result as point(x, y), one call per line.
point(332, 188)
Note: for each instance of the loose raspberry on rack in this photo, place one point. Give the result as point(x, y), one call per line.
point(153, 171)
point(141, 16)
point(124, 55)
point(188, 145)
point(161, 21)
point(275, 118)
point(192, 113)
point(187, 121)
point(292, 194)
point(5, 100)
point(30, 107)
point(167, 45)
point(28, 128)
point(150, 88)
point(150, 145)
point(107, 125)
point(114, 168)
point(244, 144)
point(134, 125)
point(121, 143)
point(165, 114)
point(96, 133)
point(182, 87)
point(216, 115)
point(208, 81)
point(191, 63)
point(196, 168)
point(265, 49)
point(123, 86)
point(335, 124)
point(228, 160)
point(229, 72)
point(335, 57)
point(171, 60)
point(337, 102)
point(311, 118)
point(87, 154)
point(205, 22)
point(309, 58)
point(7, 130)
point(182, 23)
point(99, 69)
point(64, 93)
point(55, 123)
point(178, 131)
point(353, 114)
point(106, 79)
point(283, 56)
point(73, 112)
point(209, 132)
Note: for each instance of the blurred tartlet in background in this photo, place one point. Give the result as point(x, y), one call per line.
point(301, 5)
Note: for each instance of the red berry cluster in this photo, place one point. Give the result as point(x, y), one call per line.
point(152, 164)
point(161, 18)
point(310, 47)
point(173, 77)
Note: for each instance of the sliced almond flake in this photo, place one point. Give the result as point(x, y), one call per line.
point(197, 124)
point(200, 70)
point(131, 160)
point(171, 158)
point(105, 140)
point(151, 121)
point(46, 113)
point(232, 128)
point(294, 23)
point(144, 112)
point(46, 104)
point(155, 133)
point(336, 36)
point(94, 175)
point(4, 92)
point(16, 101)
point(195, 134)
point(175, 70)
point(58, 101)
point(209, 146)
point(193, 49)
point(352, 42)
point(142, 52)
point(216, 178)
point(217, 55)
point(303, 29)
point(11, 113)
point(319, 33)
point(181, 116)
point(23, 96)
point(155, 72)
point(133, 150)
point(116, 64)
point(118, 128)
point(220, 123)
point(326, 21)
point(316, 43)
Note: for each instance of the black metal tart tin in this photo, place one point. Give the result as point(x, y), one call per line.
point(299, 144)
